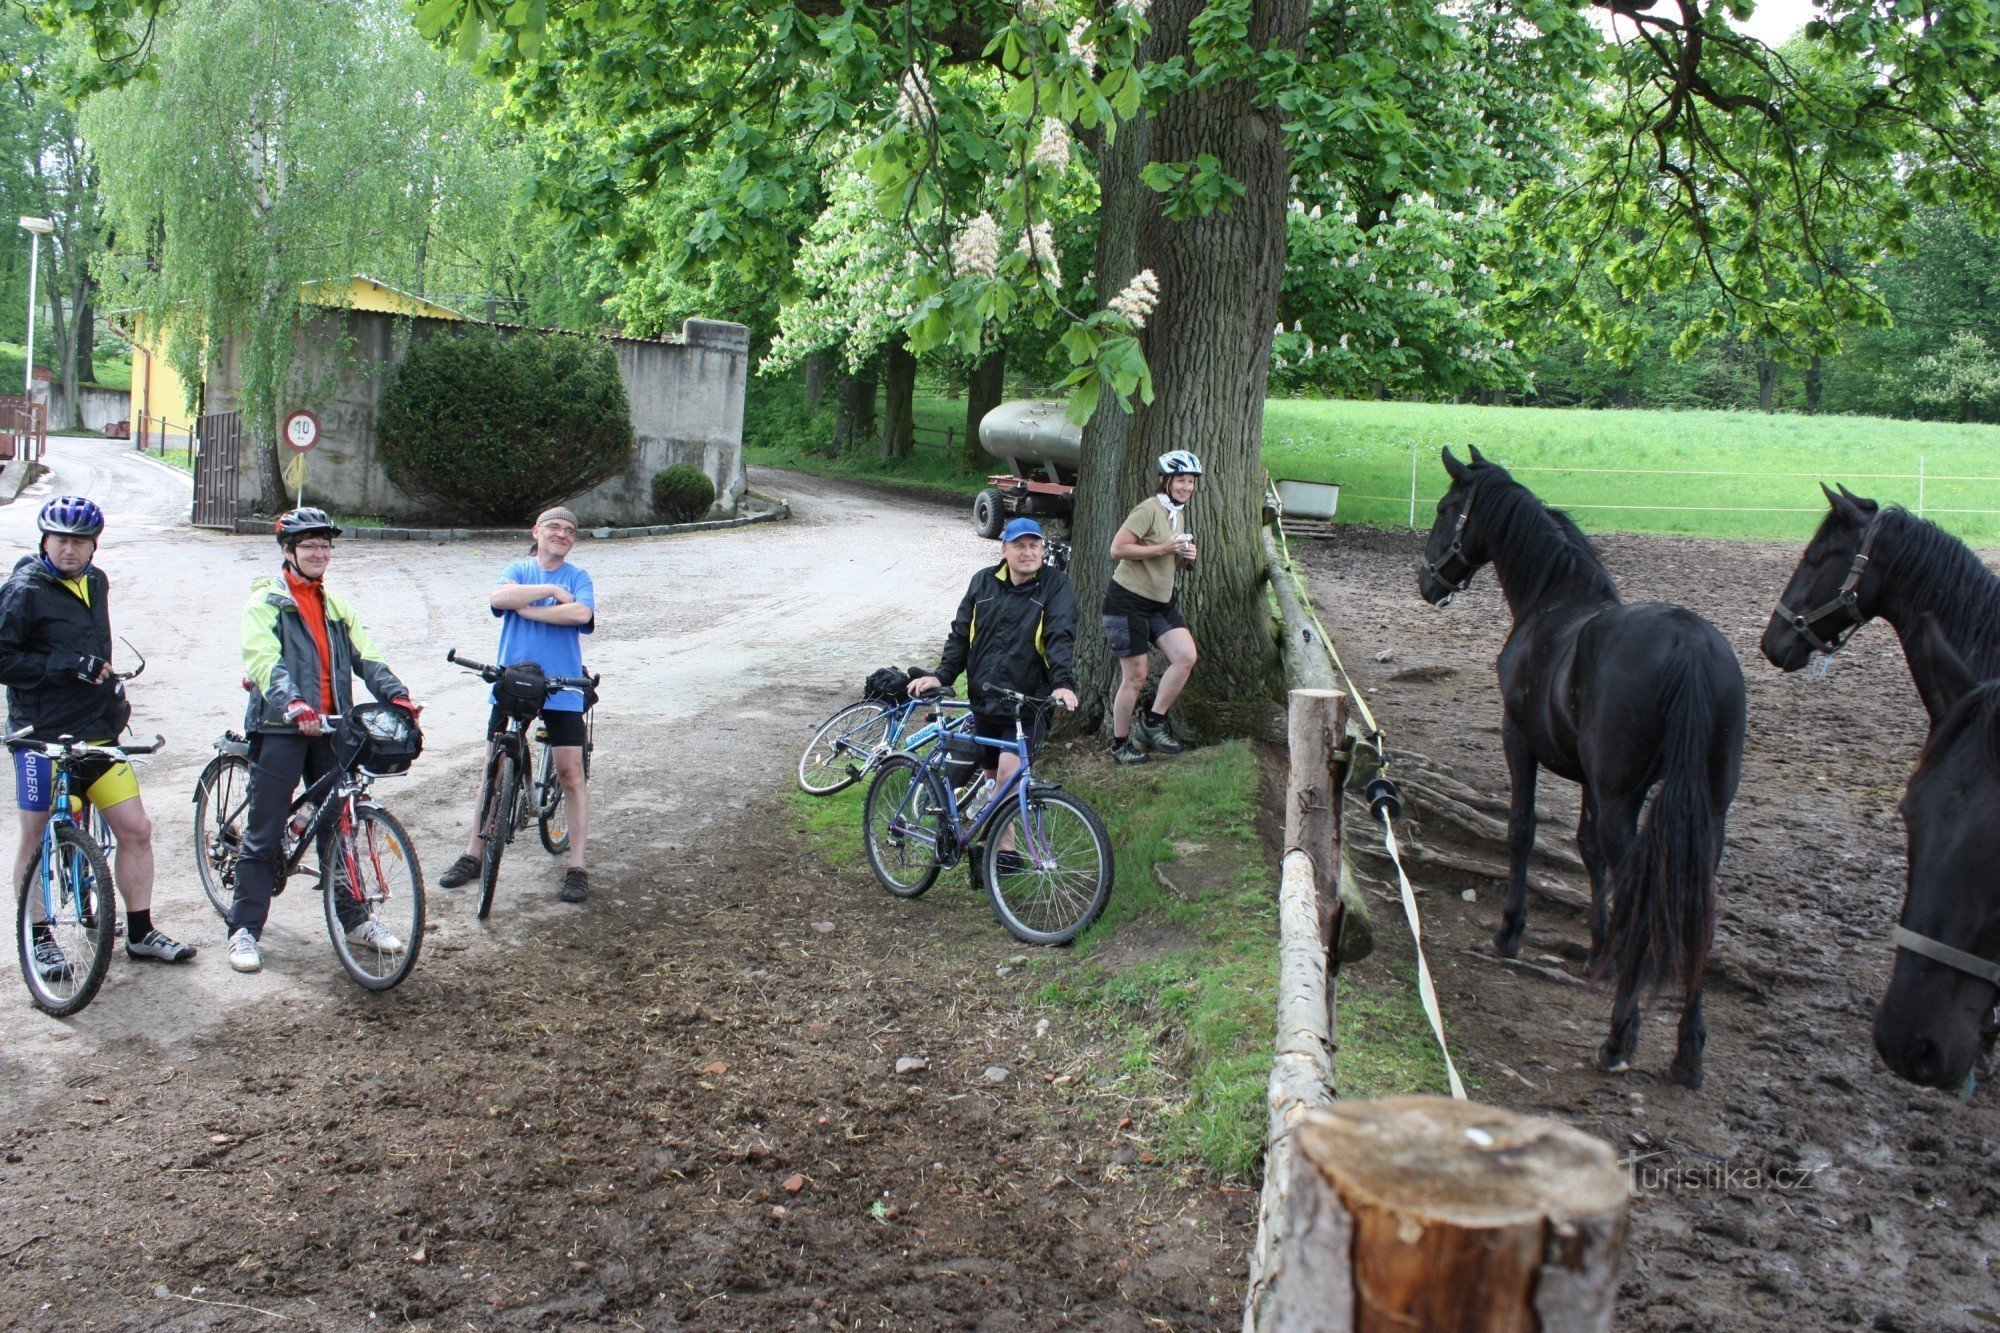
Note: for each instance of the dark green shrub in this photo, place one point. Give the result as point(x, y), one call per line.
point(682, 493)
point(492, 429)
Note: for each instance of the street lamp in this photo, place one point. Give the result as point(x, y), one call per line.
point(36, 228)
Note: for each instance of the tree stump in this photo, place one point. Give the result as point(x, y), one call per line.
point(1422, 1213)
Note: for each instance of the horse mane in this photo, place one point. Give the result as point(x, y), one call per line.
point(1545, 548)
point(1978, 715)
point(1939, 573)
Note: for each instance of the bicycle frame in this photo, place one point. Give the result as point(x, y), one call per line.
point(965, 833)
point(60, 814)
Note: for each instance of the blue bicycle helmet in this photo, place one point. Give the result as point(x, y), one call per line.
point(71, 516)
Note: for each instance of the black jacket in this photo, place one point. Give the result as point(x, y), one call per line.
point(1019, 636)
point(45, 633)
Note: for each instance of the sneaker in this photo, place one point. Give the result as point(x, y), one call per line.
point(576, 886)
point(1010, 863)
point(1161, 738)
point(372, 934)
point(243, 955)
point(50, 964)
point(463, 871)
point(159, 947)
point(1129, 751)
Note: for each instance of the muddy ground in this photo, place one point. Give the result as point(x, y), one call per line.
point(1805, 1185)
point(674, 1106)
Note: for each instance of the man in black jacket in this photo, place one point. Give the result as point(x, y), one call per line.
point(55, 659)
point(1015, 629)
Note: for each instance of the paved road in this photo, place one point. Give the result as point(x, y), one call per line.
point(718, 649)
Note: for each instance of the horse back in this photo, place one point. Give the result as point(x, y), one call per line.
point(1633, 663)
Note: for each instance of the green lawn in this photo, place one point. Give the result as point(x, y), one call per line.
point(1731, 474)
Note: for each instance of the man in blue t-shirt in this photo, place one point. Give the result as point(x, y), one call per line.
point(546, 606)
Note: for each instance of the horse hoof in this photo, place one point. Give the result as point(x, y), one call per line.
point(1686, 1077)
point(1611, 1062)
point(1507, 943)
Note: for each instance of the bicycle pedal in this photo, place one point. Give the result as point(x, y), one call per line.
point(542, 735)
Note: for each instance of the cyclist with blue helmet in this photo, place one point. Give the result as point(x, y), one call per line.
point(55, 660)
point(1142, 610)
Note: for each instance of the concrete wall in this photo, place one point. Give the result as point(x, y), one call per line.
point(100, 407)
point(686, 399)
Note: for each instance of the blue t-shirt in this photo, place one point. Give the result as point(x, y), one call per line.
point(557, 649)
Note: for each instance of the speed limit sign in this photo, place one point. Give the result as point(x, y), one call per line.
point(301, 431)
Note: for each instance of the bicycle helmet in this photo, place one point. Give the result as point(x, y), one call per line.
point(1179, 462)
point(297, 524)
point(71, 516)
point(381, 738)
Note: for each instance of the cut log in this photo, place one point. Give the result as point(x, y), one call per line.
point(1424, 1213)
point(1417, 853)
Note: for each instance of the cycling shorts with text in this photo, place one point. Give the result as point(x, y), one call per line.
point(103, 783)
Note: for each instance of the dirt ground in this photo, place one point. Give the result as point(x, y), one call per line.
point(1805, 1185)
point(675, 1106)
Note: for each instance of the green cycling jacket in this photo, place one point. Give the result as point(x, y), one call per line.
point(282, 661)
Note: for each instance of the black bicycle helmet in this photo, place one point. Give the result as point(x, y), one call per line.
point(71, 516)
point(297, 524)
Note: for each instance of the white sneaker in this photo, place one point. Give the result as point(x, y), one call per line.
point(243, 955)
point(372, 934)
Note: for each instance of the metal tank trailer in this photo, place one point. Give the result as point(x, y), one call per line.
point(1035, 438)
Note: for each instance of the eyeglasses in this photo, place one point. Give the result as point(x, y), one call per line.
point(321, 548)
point(559, 529)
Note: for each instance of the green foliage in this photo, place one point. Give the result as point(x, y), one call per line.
point(1961, 382)
point(682, 493)
point(490, 429)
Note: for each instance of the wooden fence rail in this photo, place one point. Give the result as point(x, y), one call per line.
point(24, 428)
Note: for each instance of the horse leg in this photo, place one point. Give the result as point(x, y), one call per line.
point(1693, 1039)
point(1614, 828)
point(1520, 837)
point(1615, 1055)
point(1593, 861)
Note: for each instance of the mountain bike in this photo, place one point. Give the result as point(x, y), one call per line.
point(367, 863)
point(504, 800)
point(849, 744)
point(1046, 887)
point(67, 915)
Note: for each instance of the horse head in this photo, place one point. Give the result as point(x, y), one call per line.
point(1935, 1018)
point(1832, 592)
point(1453, 553)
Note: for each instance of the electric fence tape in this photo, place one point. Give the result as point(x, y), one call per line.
point(1385, 811)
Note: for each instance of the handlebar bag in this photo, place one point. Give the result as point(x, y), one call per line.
point(521, 690)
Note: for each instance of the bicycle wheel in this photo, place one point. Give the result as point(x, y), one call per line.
point(1056, 878)
point(65, 954)
point(374, 895)
point(554, 819)
point(842, 750)
point(902, 824)
point(496, 823)
point(221, 809)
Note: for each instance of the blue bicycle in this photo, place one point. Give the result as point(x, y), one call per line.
point(67, 920)
point(1042, 854)
point(849, 745)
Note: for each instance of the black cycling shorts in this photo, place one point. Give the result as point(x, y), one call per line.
point(565, 725)
point(1034, 722)
point(1133, 624)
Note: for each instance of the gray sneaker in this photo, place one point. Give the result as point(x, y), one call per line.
point(243, 955)
point(1129, 751)
point(50, 963)
point(1160, 738)
point(159, 947)
point(576, 886)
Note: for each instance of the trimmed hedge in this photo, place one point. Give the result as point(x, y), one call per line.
point(682, 493)
point(492, 429)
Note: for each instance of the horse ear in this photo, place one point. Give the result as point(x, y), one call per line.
point(1477, 457)
point(1452, 466)
point(1941, 674)
point(1845, 505)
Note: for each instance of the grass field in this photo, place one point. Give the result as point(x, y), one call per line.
point(1719, 474)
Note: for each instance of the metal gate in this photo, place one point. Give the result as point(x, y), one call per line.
point(218, 445)
point(24, 428)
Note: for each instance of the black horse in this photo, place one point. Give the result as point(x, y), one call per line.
point(1868, 560)
point(1936, 1016)
point(1627, 701)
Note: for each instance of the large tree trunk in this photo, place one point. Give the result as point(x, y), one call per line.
point(817, 366)
point(984, 389)
point(898, 410)
point(1767, 383)
point(1209, 346)
point(1815, 385)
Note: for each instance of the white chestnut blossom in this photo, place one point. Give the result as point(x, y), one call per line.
point(914, 103)
point(976, 249)
point(1139, 299)
point(1052, 150)
point(1038, 243)
point(1084, 51)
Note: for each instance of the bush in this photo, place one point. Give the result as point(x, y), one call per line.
point(492, 429)
point(682, 493)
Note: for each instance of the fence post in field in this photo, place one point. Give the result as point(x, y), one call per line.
point(1920, 485)
point(1422, 1212)
point(1413, 488)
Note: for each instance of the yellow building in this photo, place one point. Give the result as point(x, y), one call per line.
point(161, 415)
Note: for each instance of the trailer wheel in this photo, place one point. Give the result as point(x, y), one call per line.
point(989, 513)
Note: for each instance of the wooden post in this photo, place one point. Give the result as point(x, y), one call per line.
point(1425, 1213)
point(1307, 662)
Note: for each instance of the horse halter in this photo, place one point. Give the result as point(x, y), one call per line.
point(1958, 959)
point(1456, 551)
point(1846, 603)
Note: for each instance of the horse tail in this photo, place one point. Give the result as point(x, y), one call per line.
point(1663, 900)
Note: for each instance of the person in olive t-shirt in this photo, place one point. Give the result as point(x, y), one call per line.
point(1141, 610)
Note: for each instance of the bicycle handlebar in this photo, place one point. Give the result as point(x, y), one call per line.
point(69, 749)
point(491, 674)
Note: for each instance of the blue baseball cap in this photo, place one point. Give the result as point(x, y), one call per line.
point(1020, 527)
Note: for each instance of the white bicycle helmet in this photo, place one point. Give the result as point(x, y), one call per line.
point(1179, 462)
